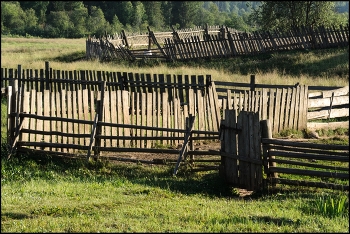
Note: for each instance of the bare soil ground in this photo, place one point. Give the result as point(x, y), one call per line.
point(141, 156)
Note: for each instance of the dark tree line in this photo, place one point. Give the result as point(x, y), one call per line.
point(76, 19)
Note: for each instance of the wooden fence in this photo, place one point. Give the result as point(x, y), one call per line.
point(220, 43)
point(244, 96)
point(316, 165)
point(326, 102)
point(245, 162)
point(63, 120)
point(57, 80)
point(328, 105)
point(286, 108)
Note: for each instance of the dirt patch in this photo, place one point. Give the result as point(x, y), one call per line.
point(141, 156)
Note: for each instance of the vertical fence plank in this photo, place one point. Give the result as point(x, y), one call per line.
point(39, 110)
point(143, 116)
point(243, 147)
point(176, 115)
point(277, 111)
point(297, 103)
point(75, 113)
point(126, 115)
point(288, 106)
point(113, 102)
point(200, 111)
point(59, 114)
point(120, 117)
point(154, 114)
point(138, 117)
point(271, 105)
point(87, 115)
point(251, 150)
point(148, 118)
point(230, 144)
point(164, 114)
point(46, 108)
point(132, 117)
point(70, 126)
point(53, 114)
point(292, 109)
point(33, 109)
point(257, 149)
point(107, 117)
point(65, 111)
point(25, 109)
point(282, 111)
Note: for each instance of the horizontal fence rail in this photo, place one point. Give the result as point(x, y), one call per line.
point(315, 165)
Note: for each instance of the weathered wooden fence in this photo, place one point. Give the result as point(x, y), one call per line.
point(249, 154)
point(219, 43)
point(57, 80)
point(241, 162)
point(63, 120)
point(286, 108)
point(316, 165)
point(328, 105)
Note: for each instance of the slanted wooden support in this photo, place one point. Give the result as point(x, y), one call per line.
point(92, 137)
point(184, 146)
point(14, 143)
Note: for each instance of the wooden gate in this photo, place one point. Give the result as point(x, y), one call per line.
point(241, 162)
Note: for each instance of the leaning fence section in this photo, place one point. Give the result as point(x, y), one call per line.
point(215, 42)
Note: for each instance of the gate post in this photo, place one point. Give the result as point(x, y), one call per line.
point(266, 132)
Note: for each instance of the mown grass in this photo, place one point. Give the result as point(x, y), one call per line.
point(44, 194)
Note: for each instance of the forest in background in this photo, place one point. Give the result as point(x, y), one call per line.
point(79, 19)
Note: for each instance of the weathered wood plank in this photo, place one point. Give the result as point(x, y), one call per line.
point(126, 116)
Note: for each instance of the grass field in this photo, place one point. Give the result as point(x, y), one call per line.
point(50, 195)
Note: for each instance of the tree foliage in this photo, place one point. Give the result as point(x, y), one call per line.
point(289, 14)
point(76, 19)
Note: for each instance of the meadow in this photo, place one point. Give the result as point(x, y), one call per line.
point(46, 194)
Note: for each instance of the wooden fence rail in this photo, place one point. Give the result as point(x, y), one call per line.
point(317, 165)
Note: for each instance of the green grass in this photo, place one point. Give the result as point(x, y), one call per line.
point(50, 195)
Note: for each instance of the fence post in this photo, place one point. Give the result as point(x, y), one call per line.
point(19, 75)
point(206, 33)
point(266, 132)
point(252, 82)
point(10, 120)
point(99, 111)
point(125, 39)
point(47, 75)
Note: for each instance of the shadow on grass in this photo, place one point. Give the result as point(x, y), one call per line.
point(26, 166)
point(73, 57)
